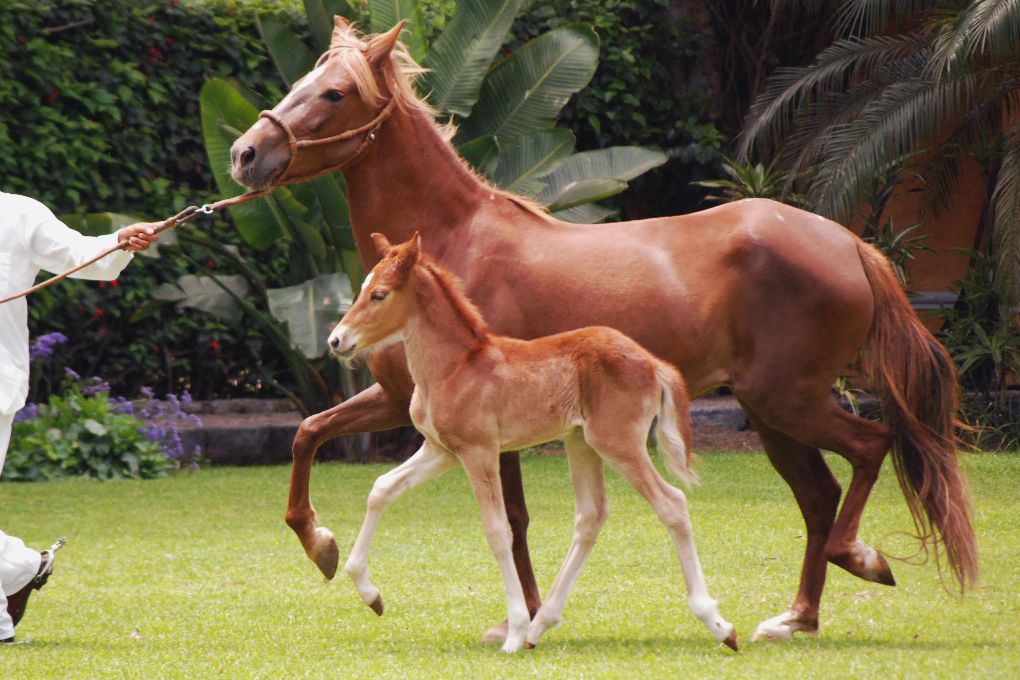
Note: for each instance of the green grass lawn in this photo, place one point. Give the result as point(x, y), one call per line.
point(197, 576)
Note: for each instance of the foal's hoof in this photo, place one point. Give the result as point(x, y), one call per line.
point(496, 635)
point(865, 563)
point(376, 605)
point(327, 554)
point(731, 640)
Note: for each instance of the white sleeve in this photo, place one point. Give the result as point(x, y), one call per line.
point(56, 247)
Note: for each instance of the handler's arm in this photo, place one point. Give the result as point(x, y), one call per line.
point(56, 247)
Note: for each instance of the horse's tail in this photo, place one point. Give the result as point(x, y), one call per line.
point(916, 381)
point(673, 432)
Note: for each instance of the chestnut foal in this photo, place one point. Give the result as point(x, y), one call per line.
point(477, 394)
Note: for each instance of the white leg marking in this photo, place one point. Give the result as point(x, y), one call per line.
point(427, 463)
point(590, 512)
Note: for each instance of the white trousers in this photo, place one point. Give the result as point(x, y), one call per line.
point(18, 564)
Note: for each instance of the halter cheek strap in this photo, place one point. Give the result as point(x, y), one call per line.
point(297, 145)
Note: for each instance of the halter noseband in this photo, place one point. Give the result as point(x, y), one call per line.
point(296, 145)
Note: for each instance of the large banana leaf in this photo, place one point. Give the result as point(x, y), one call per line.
point(589, 213)
point(292, 57)
point(320, 15)
point(311, 309)
point(482, 154)
point(525, 92)
point(384, 15)
point(204, 293)
point(524, 160)
point(621, 163)
point(225, 113)
point(462, 54)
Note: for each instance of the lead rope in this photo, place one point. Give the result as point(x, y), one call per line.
point(185, 216)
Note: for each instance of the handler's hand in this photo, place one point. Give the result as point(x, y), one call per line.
point(139, 236)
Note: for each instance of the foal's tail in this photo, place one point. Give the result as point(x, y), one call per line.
point(916, 381)
point(673, 432)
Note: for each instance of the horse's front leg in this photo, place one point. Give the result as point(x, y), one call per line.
point(482, 468)
point(427, 463)
point(372, 410)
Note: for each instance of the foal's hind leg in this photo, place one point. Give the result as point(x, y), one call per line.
point(590, 512)
point(630, 459)
point(427, 463)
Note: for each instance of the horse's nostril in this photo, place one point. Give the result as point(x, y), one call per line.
point(334, 342)
point(248, 155)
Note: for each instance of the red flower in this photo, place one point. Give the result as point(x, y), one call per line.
point(98, 313)
point(102, 284)
point(210, 264)
point(169, 40)
point(114, 284)
point(215, 346)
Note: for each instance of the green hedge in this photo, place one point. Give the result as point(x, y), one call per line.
point(99, 112)
point(99, 98)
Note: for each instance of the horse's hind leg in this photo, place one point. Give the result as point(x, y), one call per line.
point(590, 512)
point(817, 493)
point(630, 459)
point(821, 423)
point(427, 463)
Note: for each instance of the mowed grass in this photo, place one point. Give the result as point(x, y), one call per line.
point(197, 576)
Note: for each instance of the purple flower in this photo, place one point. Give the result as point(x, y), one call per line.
point(44, 345)
point(122, 405)
point(28, 412)
point(71, 373)
point(95, 386)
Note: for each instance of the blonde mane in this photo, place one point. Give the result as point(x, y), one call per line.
point(401, 71)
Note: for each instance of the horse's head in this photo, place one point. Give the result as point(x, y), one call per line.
point(383, 307)
point(329, 116)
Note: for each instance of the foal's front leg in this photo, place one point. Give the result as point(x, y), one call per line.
point(427, 463)
point(482, 468)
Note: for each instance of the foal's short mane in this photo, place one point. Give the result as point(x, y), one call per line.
point(401, 71)
point(453, 291)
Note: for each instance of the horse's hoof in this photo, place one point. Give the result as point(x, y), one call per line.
point(377, 605)
point(528, 645)
point(495, 635)
point(731, 640)
point(865, 563)
point(327, 557)
point(783, 627)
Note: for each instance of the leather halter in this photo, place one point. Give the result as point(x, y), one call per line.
point(296, 145)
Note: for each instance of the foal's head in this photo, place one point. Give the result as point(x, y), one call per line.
point(384, 305)
point(332, 114)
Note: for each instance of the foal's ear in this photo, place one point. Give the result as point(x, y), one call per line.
point(341, 31)
point(409, 254)
point(381, 45)
point(381, 243)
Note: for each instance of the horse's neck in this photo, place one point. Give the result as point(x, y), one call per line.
point(442, 333)
point(410, 180)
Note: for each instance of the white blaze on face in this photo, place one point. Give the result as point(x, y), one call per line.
point(368, 281)
point(307, 81)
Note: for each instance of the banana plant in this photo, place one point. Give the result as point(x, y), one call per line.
point(505, 108)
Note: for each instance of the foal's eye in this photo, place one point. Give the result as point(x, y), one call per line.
point(333, 95)
point(378, 295)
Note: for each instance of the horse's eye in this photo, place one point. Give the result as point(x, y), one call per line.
point(333, 95)
point(378, 295)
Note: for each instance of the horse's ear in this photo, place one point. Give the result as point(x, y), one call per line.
point(414, 246)
point(342, 34)
point(381, 45)
point(409, 254)
point(381, 243)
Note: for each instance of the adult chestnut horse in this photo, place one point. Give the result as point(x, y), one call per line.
point(770, 300)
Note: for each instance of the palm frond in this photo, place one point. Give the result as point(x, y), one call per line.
point(834, 69)
point(990, 27)
point(1006, 229)
point(895, 125)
